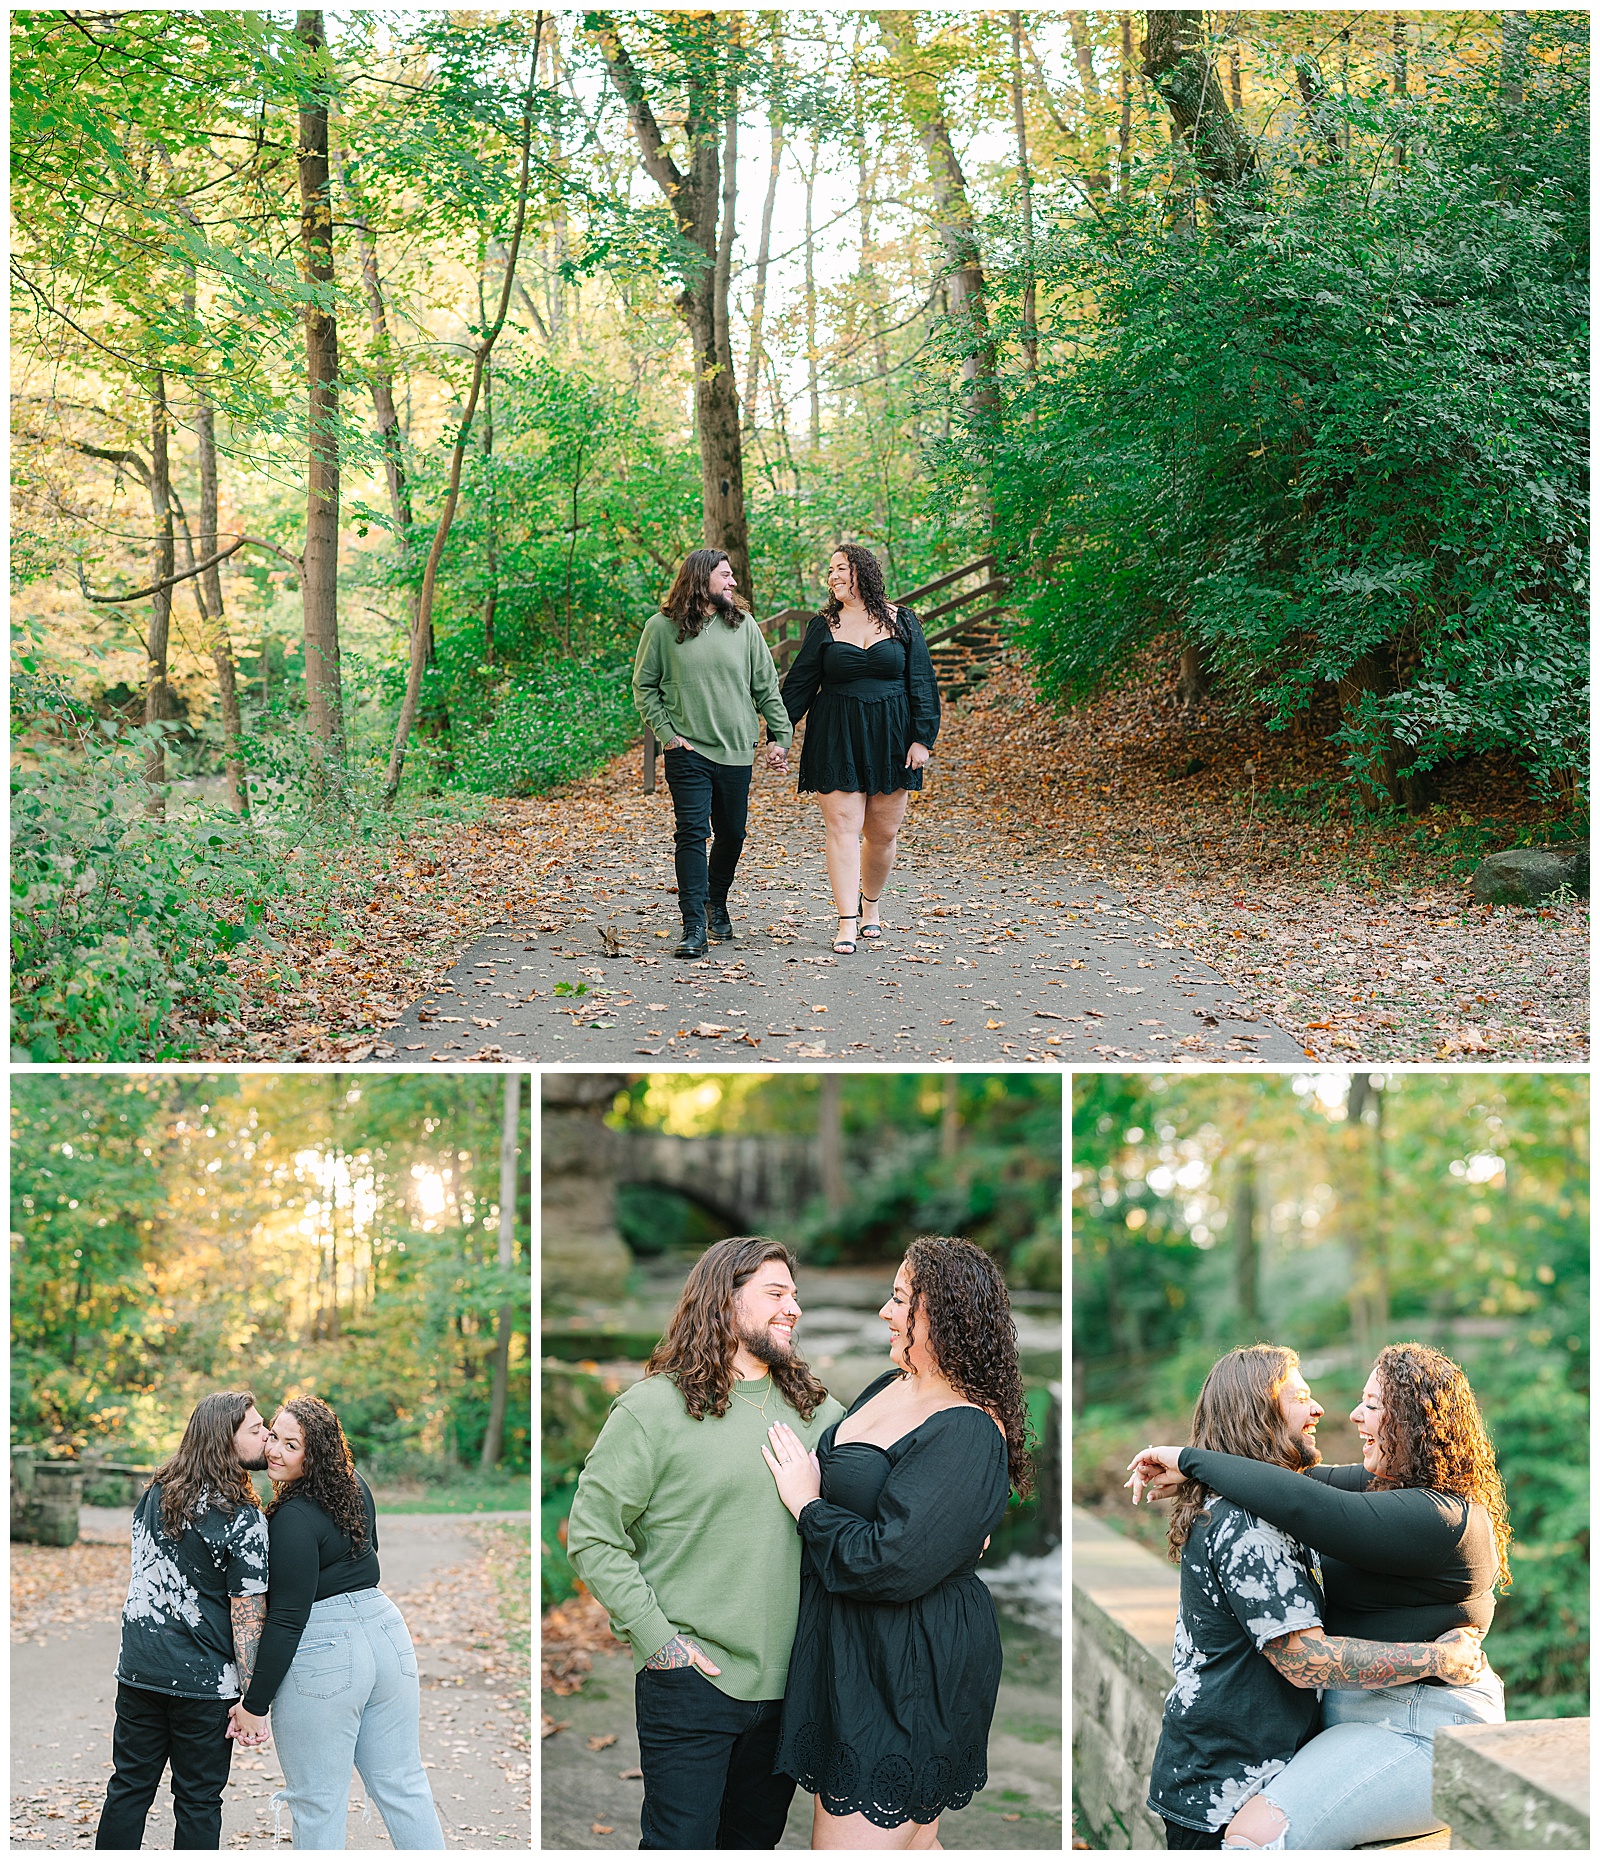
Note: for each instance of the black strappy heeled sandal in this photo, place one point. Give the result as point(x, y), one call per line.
point(869, 933)
point(844, 945)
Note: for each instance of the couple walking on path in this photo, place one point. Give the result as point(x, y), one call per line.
point(703, 678)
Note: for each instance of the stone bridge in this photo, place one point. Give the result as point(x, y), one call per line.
point(742, 1180)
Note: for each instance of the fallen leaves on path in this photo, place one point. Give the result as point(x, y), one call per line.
point(1357, 936)
point(64, 1587)
point(570, 1635)
point(1354, 934)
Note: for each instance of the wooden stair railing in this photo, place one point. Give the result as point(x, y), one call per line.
point(785, 630)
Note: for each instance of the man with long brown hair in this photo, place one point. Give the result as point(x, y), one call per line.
point(679, 1533)
point(197, 1597)
point(702, 679)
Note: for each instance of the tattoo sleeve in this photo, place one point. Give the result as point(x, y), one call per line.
point(249, 1615)
point(1310, 1659)
point(679, 1651)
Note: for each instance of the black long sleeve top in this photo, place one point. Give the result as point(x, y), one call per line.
point(1398, 1563)
point(805, 677)
point(308, 1560)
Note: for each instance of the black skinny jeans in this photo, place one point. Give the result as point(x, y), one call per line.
point(707, 1762)
point(709, 800)
point(150, 1728)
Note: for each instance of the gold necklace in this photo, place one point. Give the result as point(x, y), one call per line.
point(761, 1406)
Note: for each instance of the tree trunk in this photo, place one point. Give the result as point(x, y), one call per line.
point(1030, 338)
point(510, 1132)
point(1125, 109)
point(956, 227)
point(1098, 178)
point(491, 596)
point(157, 692)
point(1322, 121)
point(694, 198)
point(212, 615)
point(1178, 63)
point(1192, 680)
point(949, 1116)
point(758, 307)
point(1242, 1225)
point(320, 580)
point(1235, 81)
point(1365, 1189)
point(421, 632)
point(830, 1141)
point(1513, 61)
point(1380, 782)
point(813, 389)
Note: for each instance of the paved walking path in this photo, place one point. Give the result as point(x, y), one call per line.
point(473, 1727)
point(995, 954)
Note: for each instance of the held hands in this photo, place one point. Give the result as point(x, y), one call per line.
point(1153, 1473)
point(795, 1471)
point(1461, 1659)
point(917, 756)
point(777, 757)
point(250, 1731)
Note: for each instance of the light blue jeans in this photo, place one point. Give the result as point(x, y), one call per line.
point(351, 1699)
point(1368, 1774)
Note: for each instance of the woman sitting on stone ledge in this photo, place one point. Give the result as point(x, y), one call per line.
point(1412, 1548)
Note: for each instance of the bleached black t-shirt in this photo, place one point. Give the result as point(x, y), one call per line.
point(1233, 1721)
point(177, 1634)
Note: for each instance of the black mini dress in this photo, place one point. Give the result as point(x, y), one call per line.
point(896, 1660)
point(864, 708)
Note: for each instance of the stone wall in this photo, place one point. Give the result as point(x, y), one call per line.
point(1124, 1604)
point(1519, 1787)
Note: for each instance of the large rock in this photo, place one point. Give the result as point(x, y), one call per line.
point(1514, 1786)
point(582, 1254)
point(1530, 874)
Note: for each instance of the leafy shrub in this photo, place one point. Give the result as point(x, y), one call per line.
point(561, 723)
point(1338, 435)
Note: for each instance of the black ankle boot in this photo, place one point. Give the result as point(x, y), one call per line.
point(692, 945)
point(719, 925)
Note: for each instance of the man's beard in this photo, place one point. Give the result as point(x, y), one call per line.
point(1309, 1454)
point(726, 606)
point(761, 1346)
point(256, 1465)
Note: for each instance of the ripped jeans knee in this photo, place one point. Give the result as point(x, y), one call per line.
point(1260, 1826)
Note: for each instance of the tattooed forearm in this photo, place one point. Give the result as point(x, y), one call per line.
point(1310, 1658)
point(679, 1651)
point(249, 1615)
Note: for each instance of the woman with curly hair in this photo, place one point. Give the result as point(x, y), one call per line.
point(336, 1664)
point(1413, 1546)
point(865, 681)
point(896, 1661)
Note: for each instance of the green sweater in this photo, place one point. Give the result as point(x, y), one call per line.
point(709, 689)
point(677, 1528)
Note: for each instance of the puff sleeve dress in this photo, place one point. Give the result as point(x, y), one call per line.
point(896, 1660)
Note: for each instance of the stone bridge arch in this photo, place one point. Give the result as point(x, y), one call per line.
point(749, 1182)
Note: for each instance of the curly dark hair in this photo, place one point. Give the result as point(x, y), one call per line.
point(698, 1348)
point(1237, 1412)
point(1432, 1435)
point(690, 602)
point(206, 1467)
point(869, 585)
point(972, 1338)
point(329, 1476)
